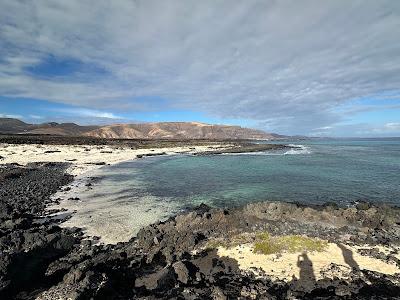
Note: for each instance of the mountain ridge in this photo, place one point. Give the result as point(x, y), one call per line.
point(156, 130)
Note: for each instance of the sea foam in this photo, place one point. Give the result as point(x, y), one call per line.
point(298, 149)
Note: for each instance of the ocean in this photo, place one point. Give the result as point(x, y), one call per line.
point(137, 193)
point(331, 170)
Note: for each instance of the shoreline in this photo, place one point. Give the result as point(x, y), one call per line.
point(86, 158)
point(88, 154)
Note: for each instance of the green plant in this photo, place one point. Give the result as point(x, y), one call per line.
point(266, 244)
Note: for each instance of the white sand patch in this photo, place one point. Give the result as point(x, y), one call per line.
point(288, 265)
point(112, 222)
point(84, 158)
point(111, 209)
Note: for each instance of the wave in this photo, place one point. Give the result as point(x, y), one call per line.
point(298, 149)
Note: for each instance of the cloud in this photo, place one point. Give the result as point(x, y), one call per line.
point(285, 64)
point(391, 129)
point(12, 116)
point(392, 126)
point(323, 128)
point(83, 112)
point(35, 117)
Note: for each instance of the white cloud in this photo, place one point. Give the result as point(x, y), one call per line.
point(323, 128)
point(36, 117)
point(83, 112)
point(262, 60)
point(12, 116)
point(393, 126)
point(361, 130)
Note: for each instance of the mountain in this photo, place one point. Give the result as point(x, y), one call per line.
point(8, 125)
point(162, 130)
point(177, 130)
point(14, 126)
point(61, 129)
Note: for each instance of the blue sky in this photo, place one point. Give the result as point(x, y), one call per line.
point(319, 68)
point(41, 111)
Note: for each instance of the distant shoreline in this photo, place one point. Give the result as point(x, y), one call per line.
point(86, 153)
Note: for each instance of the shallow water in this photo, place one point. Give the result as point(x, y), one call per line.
point(342, 171)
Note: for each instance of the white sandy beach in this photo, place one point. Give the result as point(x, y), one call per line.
point(83, 158)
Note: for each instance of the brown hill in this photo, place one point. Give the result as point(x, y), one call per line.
point(61, 129)
point(178, 130)
point(9, 125)
point(14, 126)
point(162, 130)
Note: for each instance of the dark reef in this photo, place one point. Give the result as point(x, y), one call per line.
point(248, 148)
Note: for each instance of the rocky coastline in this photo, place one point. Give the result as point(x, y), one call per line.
point(173, 259)
point(247, 148)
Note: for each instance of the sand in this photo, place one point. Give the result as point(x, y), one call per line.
point(83, 158)
point(110, 210)
point(285, 266)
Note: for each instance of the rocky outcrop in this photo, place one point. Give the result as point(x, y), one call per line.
point(161, 263)
point(247, 148)
point(29, 244)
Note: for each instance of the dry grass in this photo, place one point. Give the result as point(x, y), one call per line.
point(264, 243)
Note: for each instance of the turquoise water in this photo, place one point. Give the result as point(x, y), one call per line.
point(341, 171)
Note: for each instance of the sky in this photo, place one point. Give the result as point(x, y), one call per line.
point(310, 67)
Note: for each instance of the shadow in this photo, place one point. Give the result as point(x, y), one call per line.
point(348, 257)
point(306, 274)
point(372, 286)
